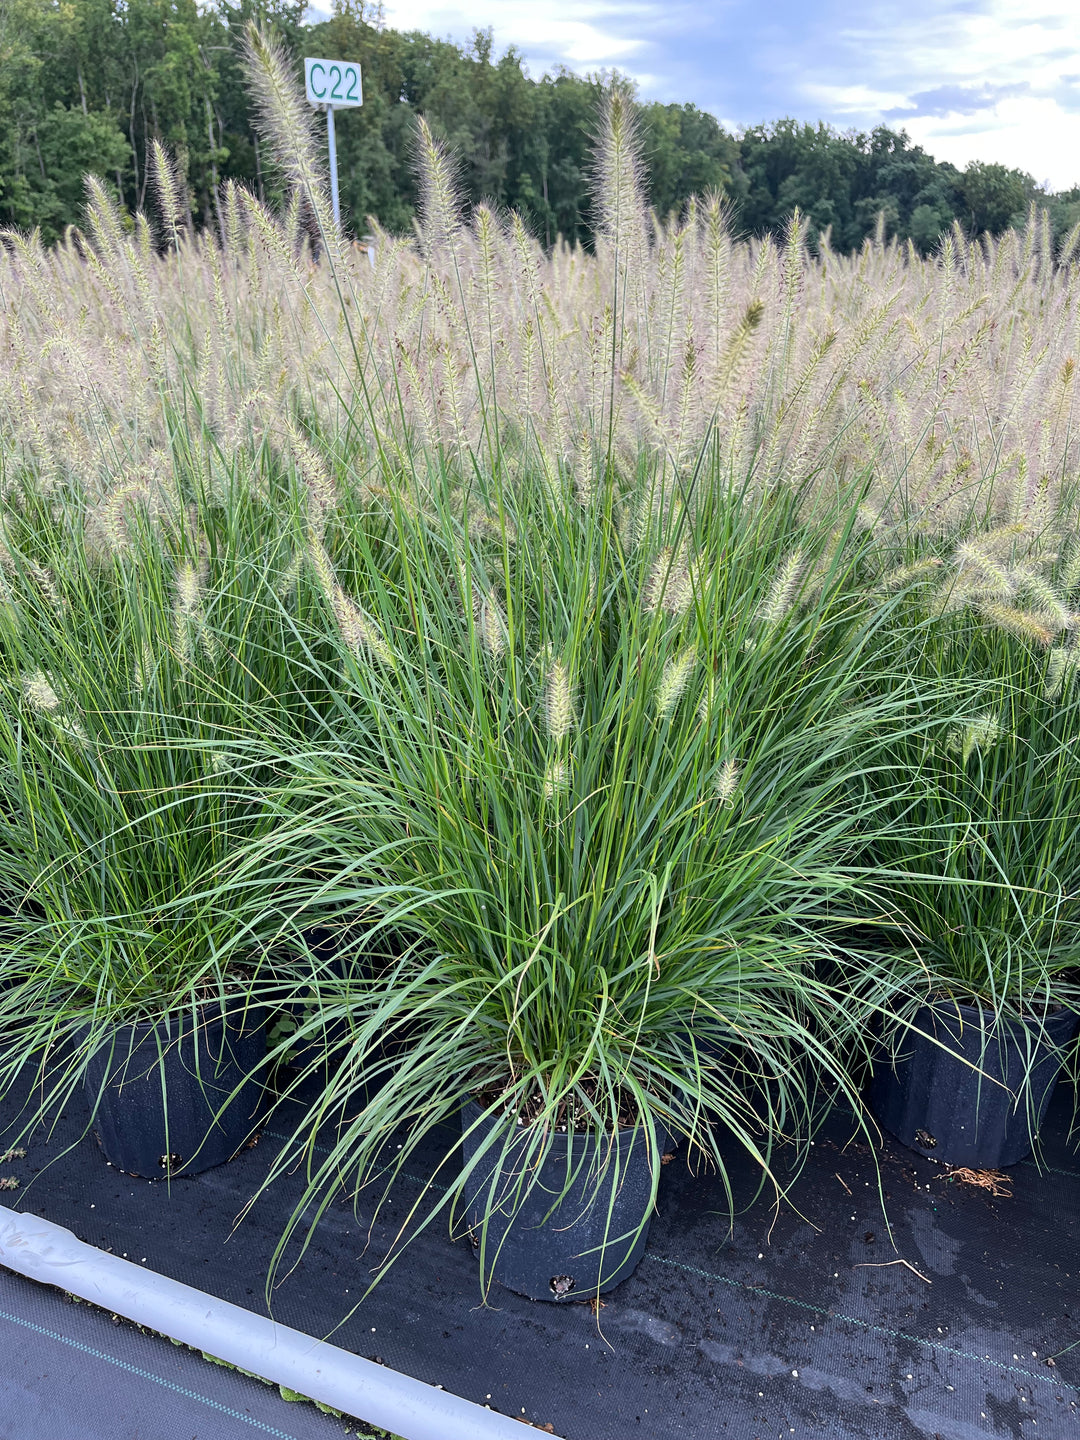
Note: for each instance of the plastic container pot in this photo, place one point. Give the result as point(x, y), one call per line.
point(936, 1104)
point(155, 1090)
point(588, 1243)
point(318, 1054)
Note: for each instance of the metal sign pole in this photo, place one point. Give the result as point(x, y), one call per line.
point(329, 84)
point(334, 198)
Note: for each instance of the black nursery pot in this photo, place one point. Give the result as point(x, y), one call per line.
point(202, 1066)
point(559, 1259)
point(938, 1106)
point(322, 1051)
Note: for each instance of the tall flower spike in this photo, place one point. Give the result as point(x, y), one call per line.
point(1053, 681)
point(319, 486)
point(492, 625)
point(288, 123)
point(39, 692)
point(556, 779)
point(188, 589)
point(289, 578)
point(905, 575)
point(707, 704)
point(321, 565)
point(558, 702)
point(170, 193)
point(784, 590)
point(676, 676)
point(359, 631)
point(1020, 623)
point(670, 585)
point(439, 203)
point(620, 201)
point(145, 669)
point(726, 783)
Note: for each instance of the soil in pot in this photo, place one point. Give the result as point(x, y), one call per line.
point(586, 1245)
point(933, 1102)
point(155, 1089)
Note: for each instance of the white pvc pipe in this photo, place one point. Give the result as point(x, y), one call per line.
point(383, 1397)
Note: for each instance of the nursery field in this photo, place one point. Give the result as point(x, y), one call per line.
point(549, 739)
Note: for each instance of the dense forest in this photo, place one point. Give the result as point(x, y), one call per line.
point(88, 84)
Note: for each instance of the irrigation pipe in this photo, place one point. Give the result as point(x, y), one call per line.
point(52, 1255)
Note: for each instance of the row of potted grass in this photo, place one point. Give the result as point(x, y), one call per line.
point(507, 619)
point(655, 819)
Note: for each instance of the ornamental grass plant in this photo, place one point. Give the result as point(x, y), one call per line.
point(986, 865)
point(136, 678)
point(606, 791)
point(982, 854)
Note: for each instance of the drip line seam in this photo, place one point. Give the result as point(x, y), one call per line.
point(863, 1324)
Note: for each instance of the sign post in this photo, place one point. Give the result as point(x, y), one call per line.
point(330, 85)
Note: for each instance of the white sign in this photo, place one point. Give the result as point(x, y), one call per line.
point(333, 82)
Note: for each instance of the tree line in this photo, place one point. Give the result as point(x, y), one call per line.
point(89, 84)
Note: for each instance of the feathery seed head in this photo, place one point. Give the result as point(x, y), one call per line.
point(981, 733)
point(1047, 603)
point(558, 702)
point(556, 779)
point(289, 578)
point(677, 674)
point(1054, 679)
point(321, 565)
point(670, 584)
point(633, 522)
point(492, 625)
point(726, 784)
point(1070, 569)
point(994, 576)
point(1021, 623)
point(784, 590)
point(40, 694)
point(115, 524)
point(321, 496)
point(620, 201)
point(440, 206)
point(104, 219)
point(359, 631)
point(707, 705)
point(287, 121)
point(1062, 664)
point(188, 589)
point(905, 575)
point(145, 666)
point(172, 200)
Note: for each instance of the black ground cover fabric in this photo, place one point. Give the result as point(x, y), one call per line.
point(799, 1323)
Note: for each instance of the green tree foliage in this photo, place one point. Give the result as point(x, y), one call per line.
point(88, 84)
point(995, 197)
point(844, 182)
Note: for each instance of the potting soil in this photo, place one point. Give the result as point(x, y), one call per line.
point(814, 1319)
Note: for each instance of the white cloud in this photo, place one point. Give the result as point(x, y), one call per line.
point(969, 79)
point(1024, 131)
point(997, 83)
point(840, 100)
point(591, 34)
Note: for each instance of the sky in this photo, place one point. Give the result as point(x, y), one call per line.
point(993, 80)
